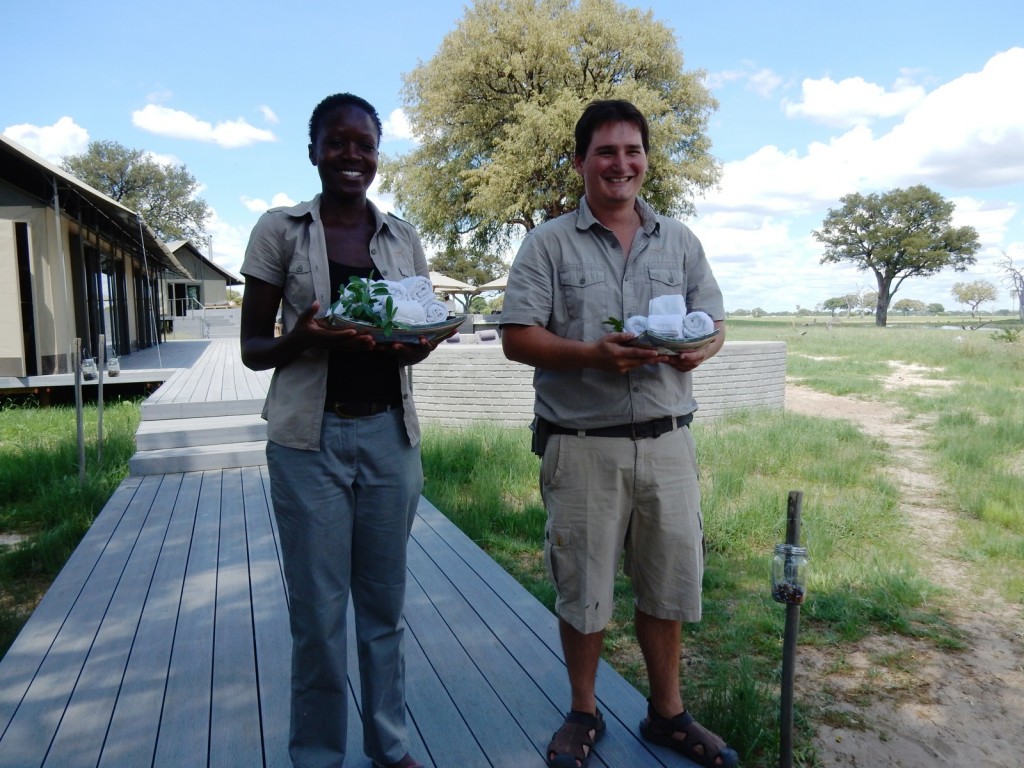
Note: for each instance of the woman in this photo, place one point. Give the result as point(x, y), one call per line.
point(343, 439)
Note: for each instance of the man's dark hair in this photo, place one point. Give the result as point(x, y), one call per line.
point(331, 103)
point(599, 113)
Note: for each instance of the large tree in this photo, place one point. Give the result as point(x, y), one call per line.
point(165, 195)
point(494, 112)
point(897, 234)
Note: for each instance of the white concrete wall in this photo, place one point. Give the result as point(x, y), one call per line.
point(462, 383)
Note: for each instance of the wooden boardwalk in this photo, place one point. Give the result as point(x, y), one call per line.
point(164, 642)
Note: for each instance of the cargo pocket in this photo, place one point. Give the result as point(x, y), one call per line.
point(561, 563)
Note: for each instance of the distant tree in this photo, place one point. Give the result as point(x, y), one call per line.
point(974, 294)
point(740, 313)
point(758, 312)
point(495, 107)
point(935, 309)
point(165, 195)
point(232, 296)
point(906, 306)
point(469, 264)
point(898, 234)
point(869, 300)
point(847, 302)
point(1014, 275)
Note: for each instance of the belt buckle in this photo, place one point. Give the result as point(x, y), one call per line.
point(643, 430)
point(341, 414)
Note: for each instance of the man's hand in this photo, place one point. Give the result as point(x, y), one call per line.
point(615, 354)
point(687, 361)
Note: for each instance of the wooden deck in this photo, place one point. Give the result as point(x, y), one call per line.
point(164, 641)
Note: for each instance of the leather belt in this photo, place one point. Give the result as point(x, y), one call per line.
point(356, 409)
point(638, 431)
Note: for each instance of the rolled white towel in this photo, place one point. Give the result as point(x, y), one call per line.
point(418, 288)
point(397, 290)
point(668, 326)
point(671, 304)
point(636, 324)
point(436, 312)
point(697, 324)
point(409, 313)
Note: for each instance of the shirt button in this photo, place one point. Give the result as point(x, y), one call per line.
point(583, 281)
point(373, 251)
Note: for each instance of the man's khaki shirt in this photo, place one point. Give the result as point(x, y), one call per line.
point(570, 275)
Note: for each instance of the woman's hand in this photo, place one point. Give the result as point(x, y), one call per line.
point(310, 332)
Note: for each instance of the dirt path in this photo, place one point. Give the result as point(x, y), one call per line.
point(937, 708)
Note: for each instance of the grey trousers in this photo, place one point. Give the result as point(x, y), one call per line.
point(344, 515)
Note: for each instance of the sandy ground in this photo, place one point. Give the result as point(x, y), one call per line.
point(925, 707)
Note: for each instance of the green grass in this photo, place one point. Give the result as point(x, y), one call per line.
point(41, 498)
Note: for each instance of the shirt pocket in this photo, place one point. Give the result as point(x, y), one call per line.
point(665, 280)
point(298, 284)
point(585, 291)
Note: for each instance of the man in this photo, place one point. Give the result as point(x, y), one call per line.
point(618, 470)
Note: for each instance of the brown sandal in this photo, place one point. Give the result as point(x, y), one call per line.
point(697, 742)
point(572, 744)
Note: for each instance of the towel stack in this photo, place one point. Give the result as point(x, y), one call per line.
point(667, 317)
point(412, 301)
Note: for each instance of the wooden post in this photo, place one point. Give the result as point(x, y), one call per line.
point(789, 642)
point(77, 367)
point(100, 363)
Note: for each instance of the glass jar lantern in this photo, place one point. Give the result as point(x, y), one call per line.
point(789, 573)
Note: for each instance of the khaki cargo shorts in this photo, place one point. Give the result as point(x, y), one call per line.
point(612, 496)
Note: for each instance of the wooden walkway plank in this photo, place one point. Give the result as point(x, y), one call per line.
point(235, 738)
point(183, 737)
point(88, 714)
point(131, 736)
point(271, 634)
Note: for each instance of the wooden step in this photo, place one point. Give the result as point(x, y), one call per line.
point(185, 410)
point(199, 457)
point(212, 430)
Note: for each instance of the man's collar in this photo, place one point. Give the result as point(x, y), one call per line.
point(648, 218)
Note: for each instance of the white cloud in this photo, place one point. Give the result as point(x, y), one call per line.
point(970, 131)
point(853, 101)
point(397, 126)
point(51, 142)
point(257, 205)
point(269, 115)
point(229, 134)
point(966, 134)
point(764, 82)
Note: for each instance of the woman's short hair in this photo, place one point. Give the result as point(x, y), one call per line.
point(331, 103)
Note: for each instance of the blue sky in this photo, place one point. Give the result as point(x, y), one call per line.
point(817, 100)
